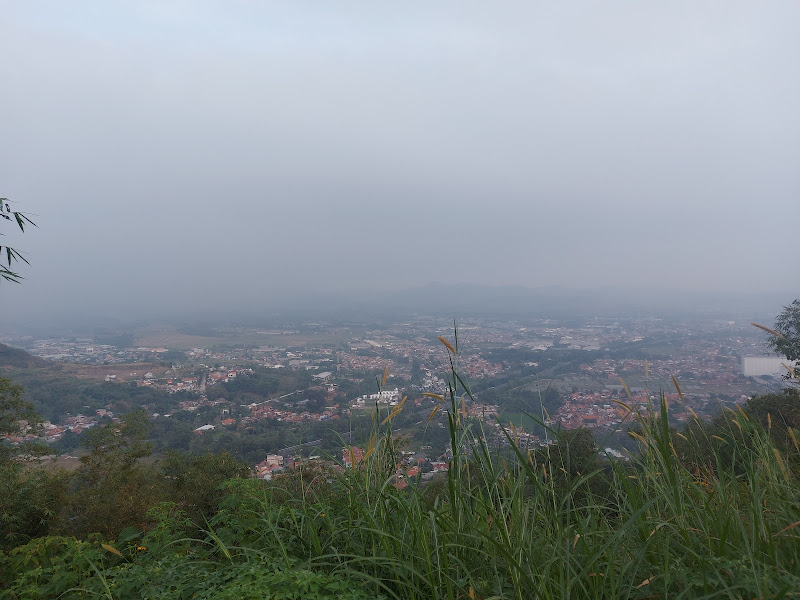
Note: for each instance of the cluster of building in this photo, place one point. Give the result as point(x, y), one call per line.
point(88, 351)
point(77, 424)
point(384, 397)
point(606, 408)
point(476, 367)
point(192, 405)
point(191, 382)
point(357, 362)
point(266, 411)
point(52, 432)
point(272, 464)
point(409, 466)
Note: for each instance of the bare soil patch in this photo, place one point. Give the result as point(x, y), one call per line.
point(123, 372)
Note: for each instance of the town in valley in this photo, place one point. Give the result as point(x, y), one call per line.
point(304, 390)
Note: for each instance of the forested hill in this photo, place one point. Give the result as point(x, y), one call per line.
point(19, 359)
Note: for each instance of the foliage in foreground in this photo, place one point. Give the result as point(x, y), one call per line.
point(709, 512)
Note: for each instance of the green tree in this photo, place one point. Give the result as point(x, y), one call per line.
point(778, 414)
point(785, 337)
point(787, 327)
point(113, 489)
point(16, 416)
point(29, 495)
point(195, 482)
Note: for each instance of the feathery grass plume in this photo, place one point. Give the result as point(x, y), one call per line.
point(439, 397)
point(385, 374)
point(433, 412)
point(516, 434)
point(447, 344)
point(637, 436)
point(370, 447)
point(781, 464)
point(678, 388)
point(788, 528)
point(647, 581)
point(111, 549)
point(395, 412)
point(794, 439)
point(646, 369)
point(745, 416)
point(768, 330)
point(625, 385)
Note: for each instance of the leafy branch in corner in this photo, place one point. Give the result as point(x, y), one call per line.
point(12, 255)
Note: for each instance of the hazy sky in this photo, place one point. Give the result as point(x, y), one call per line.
point(200, 153)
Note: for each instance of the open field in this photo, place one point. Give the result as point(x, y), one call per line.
point(172, 339)
point(69, 461)
point(122, 371)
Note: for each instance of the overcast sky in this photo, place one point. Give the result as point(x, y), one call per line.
point(208, 153)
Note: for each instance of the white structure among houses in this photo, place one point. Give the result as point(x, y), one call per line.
point(756, 366)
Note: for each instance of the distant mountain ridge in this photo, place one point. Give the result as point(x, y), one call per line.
point(19, 359)
point(560, 302)
point(451, 300)
point(459, 300)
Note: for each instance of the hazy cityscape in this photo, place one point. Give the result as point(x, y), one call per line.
point(373, 301)
point(592, 371)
